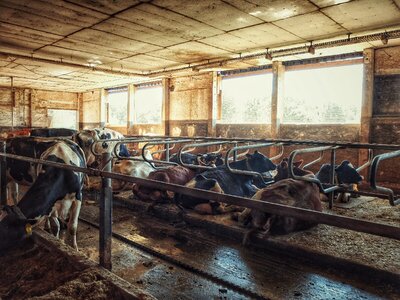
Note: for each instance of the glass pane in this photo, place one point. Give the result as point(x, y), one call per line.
point(118, 108)
point(148, 105)
point(62, 118)
point(323, 96)
point(247, 99)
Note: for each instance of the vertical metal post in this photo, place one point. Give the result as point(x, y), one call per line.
point(105, 215)
point(167, 152)
point(332, 177)
point(235, 153)
point(3, 176)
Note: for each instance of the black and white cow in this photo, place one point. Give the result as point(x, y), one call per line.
point(54, 193)
point(86, 138)
point(222, 180)
point(53, 132)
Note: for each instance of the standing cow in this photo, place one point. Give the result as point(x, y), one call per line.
point(86, 138)
point(55, 193)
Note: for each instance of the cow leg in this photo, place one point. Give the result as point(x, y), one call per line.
point(223, 208)
point(204, 209)
point(12, 188)
point(243, 217)
point(54, 225)
point(73, 223)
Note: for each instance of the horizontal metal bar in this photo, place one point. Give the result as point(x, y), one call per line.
point(273, 208)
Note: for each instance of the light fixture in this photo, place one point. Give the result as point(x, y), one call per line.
point(268, 55)
point(384, 38)
point(311, 48)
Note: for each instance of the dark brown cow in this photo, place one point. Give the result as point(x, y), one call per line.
point(289, 192)
point(176, 174)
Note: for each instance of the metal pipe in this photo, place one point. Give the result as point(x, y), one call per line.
point(273, 208)
point(12, 102)
point(394, 200)
point(368, 163)
point(105, 215)
point(321, 155)
point(280, 154)
point(332, 176)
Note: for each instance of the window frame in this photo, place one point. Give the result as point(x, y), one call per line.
point(115, 90)
point(147, 85)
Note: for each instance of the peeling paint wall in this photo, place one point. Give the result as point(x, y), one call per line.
point(91, 110)
point(30, 106)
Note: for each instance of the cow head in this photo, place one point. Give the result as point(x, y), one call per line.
point(283, 170)
point(14, 227)
point(210, 159)
point(257, 162)
point(346, 173)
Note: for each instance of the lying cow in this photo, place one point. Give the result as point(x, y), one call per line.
point(207, 159)
point(221, 180)
point(53, 132)
point(345, 173)
point(176, 174)
point(53, 191)
point(134, 168)
point(296, 193)
point(86, 138)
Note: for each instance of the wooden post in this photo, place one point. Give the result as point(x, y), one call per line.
point(213, 107)
point(165, 106)
point(3, 176)
point(278, 72)
point(367, 104)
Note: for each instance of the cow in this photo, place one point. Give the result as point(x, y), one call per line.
point(296, 193)
point(14, 133)
point(53, 194)
point(282, 172)
point(86, 138)
point(221, 180)
point(134, 168)
point(53, 132)
point(176, 174)
point(345, 173)
point(207, 159)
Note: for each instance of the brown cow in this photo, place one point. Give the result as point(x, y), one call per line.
point(289, 192)
point(176, 174)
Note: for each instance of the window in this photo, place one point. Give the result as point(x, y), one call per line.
point(62, 118)
point(148, 104)
point(246, 99)
point(330, 95)
point(117, 106)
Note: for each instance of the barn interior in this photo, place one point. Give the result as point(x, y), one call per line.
point(284, 75)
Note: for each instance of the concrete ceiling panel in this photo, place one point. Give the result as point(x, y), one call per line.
point(107, 6)
point(272, 10)
point(216, 13)
point(34, 21)
point(230, 42)
point(148, 62)
point(311, 26)
point(325, 3)
point(138, 32)
point(28, 34)
point(190, 52)
point(168, 22)
point(364, 14)
point(112, 41)
point(61, 11)
point(266, 35)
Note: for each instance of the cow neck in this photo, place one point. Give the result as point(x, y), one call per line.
point(42, 195)
point(241, 165)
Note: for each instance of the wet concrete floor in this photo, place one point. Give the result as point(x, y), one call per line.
point(272, 275)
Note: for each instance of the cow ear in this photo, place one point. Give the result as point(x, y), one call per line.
point(255, 151)
point(284, 164)
point(297, 164)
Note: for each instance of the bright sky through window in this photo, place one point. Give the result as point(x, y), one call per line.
point(329, 95)
point(62, 118)
point(148, 102)
point(247, 99)
point(118, 107)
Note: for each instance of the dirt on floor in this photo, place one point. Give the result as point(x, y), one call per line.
point(33, 272)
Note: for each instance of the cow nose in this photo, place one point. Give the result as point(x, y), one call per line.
point(104, 145)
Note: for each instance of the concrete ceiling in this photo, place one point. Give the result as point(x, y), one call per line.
point(109, 43)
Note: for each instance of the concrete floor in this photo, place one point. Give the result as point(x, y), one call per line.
point(275, 276)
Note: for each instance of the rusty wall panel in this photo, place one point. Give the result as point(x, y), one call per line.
point(56, 100)
point(91, 107)
point(386, 95)
point(387, 60)
point(385, 130)
point(243, 130)
point(188, 128)
point(144, 129)
point(342, 133)
point(190, 97)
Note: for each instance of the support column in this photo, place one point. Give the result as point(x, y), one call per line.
point(278, 73)
point(166, 106)
point(105, 216)
point(3, 176)
point(213, 108)
point(367, 103)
